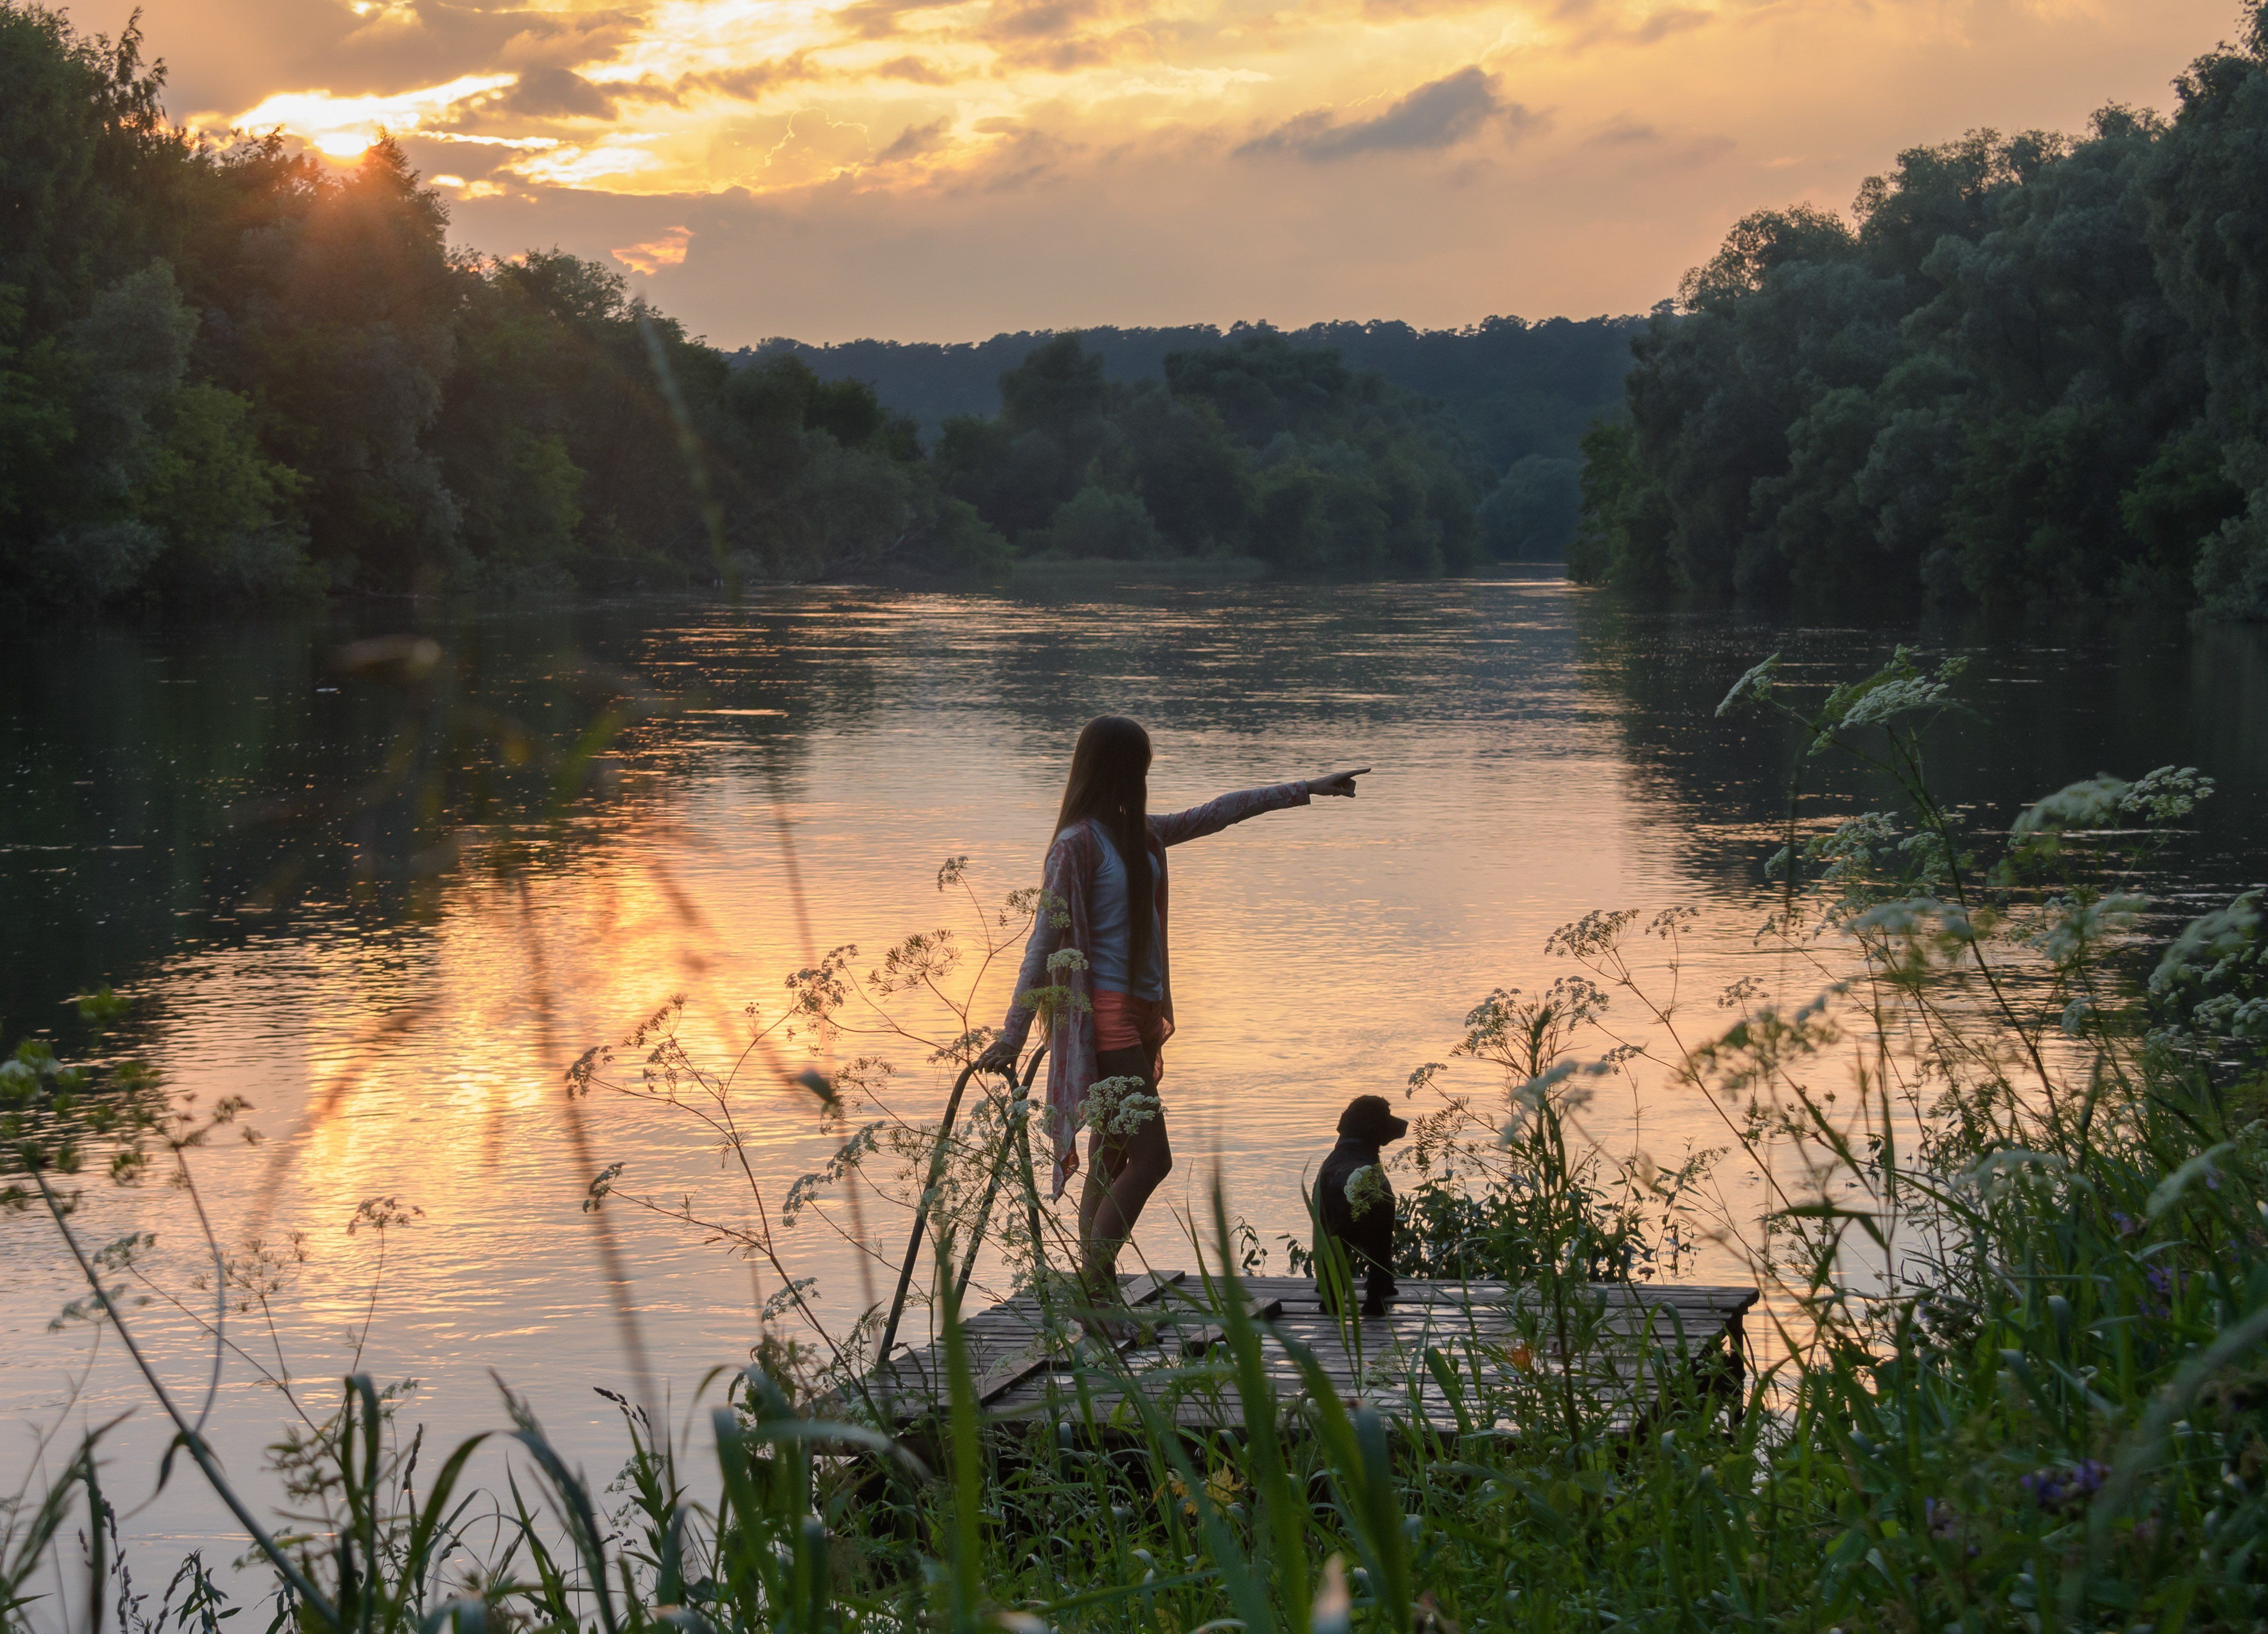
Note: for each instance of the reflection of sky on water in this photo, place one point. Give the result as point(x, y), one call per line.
point(1537, 754)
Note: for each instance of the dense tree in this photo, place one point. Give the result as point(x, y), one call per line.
point(2029, 371)
point(1019, 468)
point(1177, 455)
point(236, 369)
point(1518, 391)
point(1531, 514)
point(1253, 444)
point(88, 184)
point(1518, 388)
point(2207, 218)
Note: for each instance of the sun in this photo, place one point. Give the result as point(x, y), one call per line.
point(343, 144)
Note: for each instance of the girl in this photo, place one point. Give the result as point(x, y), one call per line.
point(1105, 896)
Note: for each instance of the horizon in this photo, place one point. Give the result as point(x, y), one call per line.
point(943, 173)
point(1224, 329)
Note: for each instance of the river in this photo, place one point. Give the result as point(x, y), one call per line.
point(383, 903)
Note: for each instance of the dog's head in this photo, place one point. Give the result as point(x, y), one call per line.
point(1370, 1118)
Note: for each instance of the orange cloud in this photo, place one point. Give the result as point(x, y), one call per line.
point(650, 257)
point(943, 165)
point(568, 41)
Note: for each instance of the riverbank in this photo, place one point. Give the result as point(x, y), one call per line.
point(1544, 751)
point(2016, 1288)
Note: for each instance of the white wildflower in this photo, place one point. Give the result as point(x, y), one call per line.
point(2167, 793)
point(2071, 928)
point(1753, 687)
point(2228, 1016)
point(1995, 1174)
point(1537, 1089)
point(2093, 804)
point(1914, 917)
point(1117, 1105)
point(1366, 1189)
point(2211, 946)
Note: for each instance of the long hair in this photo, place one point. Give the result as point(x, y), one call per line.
point(1110, 781)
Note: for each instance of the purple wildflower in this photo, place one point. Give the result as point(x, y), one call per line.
point(2062, 1489)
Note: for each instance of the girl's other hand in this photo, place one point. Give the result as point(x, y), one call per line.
point(998, 1056)
point(1337, 782)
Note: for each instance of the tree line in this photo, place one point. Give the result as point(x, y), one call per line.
point(1524, 391)
point(1252, 447)
point(228, 370)
point(2030, 368)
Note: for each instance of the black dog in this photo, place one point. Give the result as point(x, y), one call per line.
point(1365, 1233)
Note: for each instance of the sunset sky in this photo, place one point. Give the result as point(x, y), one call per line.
point(829, 170)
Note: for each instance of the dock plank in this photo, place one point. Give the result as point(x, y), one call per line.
point(1003, 1374)
point(1500, 1341)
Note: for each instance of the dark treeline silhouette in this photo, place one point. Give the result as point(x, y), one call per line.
point(1251, 447)
point(2036, 368)
point(1519, 388)
point(1523, 393)
point(230, 370)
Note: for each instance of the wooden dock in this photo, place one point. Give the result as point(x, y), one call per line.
point(1458, 1357)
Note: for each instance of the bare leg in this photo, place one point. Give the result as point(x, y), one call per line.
point(1095, 1184)
point(1122, 1174)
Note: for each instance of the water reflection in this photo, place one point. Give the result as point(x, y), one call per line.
point(786, 776)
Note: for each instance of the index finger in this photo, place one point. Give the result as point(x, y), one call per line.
point(1359, 771)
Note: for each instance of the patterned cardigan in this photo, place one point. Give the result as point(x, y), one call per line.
point(1070, 881)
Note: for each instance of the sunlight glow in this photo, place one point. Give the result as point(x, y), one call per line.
point(343, 127)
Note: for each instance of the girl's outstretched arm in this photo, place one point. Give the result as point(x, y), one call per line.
point(1216, 814)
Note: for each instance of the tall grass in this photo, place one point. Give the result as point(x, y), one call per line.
point(2014, 1241)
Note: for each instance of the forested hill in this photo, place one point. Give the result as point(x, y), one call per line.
point(1519, 397)
point(2030, 368)
point(1518, 388)
point(232, 371)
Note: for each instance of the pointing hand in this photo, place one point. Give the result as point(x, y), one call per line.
point(1337, 782)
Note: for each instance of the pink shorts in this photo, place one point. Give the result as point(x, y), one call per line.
point(1124, 1022)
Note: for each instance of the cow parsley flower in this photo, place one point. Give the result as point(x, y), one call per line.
point(1366, 1188)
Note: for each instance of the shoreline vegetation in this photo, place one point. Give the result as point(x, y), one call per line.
point(2014, 1236)
point(2029, 369)
point(231, 371)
